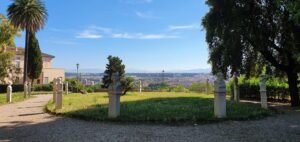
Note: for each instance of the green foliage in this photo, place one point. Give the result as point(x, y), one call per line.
point(155, 107)
point(249, 88)
point(159, 87)
point(35, 60)
point(246, 36)
point(200, 87)
point(93, 88)
point(7, 33)
point(75, 85)
point(27, 14)
point(114, 65)
point(180, 88)
point(42, 87)
point(5, 65)
point(128, 85)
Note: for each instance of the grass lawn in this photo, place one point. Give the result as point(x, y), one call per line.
point(167, 107)
point(16, 97)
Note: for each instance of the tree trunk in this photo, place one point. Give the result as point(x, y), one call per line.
point(293, 88)
point(26, 56)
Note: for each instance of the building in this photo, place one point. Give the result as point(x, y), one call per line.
point(47, 75)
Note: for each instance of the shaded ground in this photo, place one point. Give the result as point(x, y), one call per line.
point(26, 121)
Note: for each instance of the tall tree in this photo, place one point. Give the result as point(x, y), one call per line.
point(28, 15)
point(244, 36)
point(35, 60)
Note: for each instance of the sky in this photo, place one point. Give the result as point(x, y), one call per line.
point(148, 35)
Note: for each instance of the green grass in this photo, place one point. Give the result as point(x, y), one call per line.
point(16, 97)
point(167, 107)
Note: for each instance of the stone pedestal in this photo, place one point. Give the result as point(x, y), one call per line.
point(54, 86)
point(236, 89)
point(115, 91)
point(207, 86)
point(141, 86)
point(29, 89)
point(9, 94)
point(220, 97)
point(59, 95)
point(263, 92)
point(67, 88)
point(25, 89)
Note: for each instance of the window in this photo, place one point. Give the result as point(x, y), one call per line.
point(46, 80)
point(18, 62)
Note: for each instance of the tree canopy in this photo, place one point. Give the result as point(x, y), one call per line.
point(246, 36)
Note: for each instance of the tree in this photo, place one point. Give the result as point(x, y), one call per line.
point(128, 85)
point(7, 34)
point(35, 60)
point(246, 36)
point(114, 65)
point(28, 15)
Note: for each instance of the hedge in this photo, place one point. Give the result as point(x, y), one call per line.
point(15, 88)
point(249, 89)
point(20, 87)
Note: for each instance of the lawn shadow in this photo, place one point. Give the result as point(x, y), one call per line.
point(169, 110)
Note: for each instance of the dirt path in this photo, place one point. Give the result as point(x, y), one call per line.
point(26, 121)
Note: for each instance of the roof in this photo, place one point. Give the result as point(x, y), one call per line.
point(20, 51)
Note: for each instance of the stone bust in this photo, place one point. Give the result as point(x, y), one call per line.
point(115, 87)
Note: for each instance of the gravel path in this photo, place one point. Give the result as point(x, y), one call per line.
point(26, 121)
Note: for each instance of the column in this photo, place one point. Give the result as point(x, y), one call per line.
point(263, 92)
point(115, 91)
point(9, 93)
point(220, 97)
point(59, 95)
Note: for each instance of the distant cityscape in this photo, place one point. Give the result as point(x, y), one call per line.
point(171, 79)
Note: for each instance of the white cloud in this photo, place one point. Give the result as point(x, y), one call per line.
point(88, 34)
point(96, 32)
point(146, 15)
point(143, 36)
point(184, 27)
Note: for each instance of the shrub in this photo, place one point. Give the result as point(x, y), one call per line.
point(42, 87)
point(15, 88)
point(276, 89)
point(75, 85)
point(180, 88)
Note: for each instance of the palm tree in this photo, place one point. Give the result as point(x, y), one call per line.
point(28, 15)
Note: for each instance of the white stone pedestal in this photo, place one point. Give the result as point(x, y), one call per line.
point(29, 89)
point(114, 91)
point(25, 90)
point(67, 88)
point(59, 95)
point(220, 97)
point(9, 94)
point(54, 86)
point(236, 89)
point(263, 92)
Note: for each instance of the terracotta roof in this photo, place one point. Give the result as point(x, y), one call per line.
point(20, 51)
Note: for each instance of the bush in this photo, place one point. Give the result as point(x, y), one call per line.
point(42, 87)
point(276, 89)
point(180, 88)
point(75, 85)
point(200, 87)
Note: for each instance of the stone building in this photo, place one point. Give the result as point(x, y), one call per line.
point(47, 75)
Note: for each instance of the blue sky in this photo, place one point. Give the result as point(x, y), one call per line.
point(148, 35)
